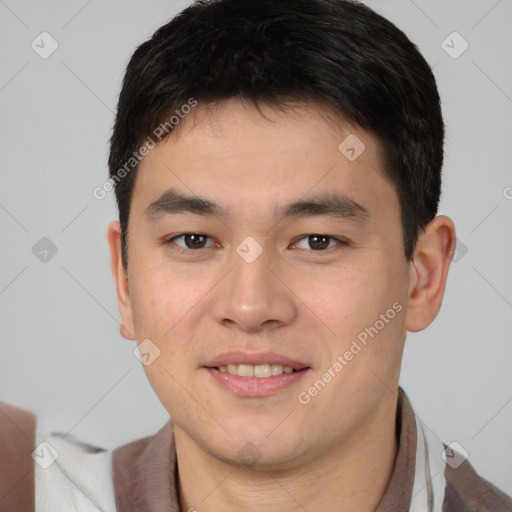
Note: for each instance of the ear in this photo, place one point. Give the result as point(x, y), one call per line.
point(121, 280)
point(429, 271)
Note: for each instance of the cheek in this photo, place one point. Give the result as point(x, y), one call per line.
point(160, 304)
point(345, 299)
point(366, 305)
point(164, 305)
point(159, 299)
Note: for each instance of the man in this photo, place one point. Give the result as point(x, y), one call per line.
point(277, 168)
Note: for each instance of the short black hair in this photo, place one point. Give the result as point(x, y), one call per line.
point(340, 53)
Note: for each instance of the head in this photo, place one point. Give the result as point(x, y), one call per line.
point(298, 146)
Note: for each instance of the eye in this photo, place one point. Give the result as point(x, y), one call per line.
point(315, 242)
point(318, 242)
point(191, 241)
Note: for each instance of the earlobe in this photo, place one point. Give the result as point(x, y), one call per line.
point(120, 277)
point(125, 333)
point(429, 272)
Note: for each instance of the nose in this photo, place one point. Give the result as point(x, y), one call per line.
point(255, 295)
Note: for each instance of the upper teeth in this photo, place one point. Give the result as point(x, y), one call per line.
point(258, 370)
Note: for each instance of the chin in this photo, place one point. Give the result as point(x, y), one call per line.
point(254, 458)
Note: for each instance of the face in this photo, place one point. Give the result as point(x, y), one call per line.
point(302, 265)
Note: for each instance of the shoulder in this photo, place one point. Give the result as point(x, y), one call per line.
point(17, 440)
point(467, 491)
point(71, 474)
point(45, 470)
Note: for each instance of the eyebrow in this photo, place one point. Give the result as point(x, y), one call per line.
point(335, 205)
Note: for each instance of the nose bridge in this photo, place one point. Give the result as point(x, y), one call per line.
point(251, 280)
point(252, 294)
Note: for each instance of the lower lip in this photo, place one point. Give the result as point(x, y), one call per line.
point(256, 386)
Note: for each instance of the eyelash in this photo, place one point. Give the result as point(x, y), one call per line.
point(183, 250)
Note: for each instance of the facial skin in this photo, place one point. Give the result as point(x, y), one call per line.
point(307, 304)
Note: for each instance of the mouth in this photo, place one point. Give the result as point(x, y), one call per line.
point(250, 374)
point(255, 381)
point(261, 371)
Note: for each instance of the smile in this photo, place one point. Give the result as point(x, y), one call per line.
point(243, 380)
point(259, 370)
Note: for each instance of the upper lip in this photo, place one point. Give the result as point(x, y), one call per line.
point(239, 357)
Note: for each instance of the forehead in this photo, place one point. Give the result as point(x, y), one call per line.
point(260, 158)
point(240, 124)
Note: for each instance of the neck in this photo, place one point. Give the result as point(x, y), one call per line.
point(351, 476)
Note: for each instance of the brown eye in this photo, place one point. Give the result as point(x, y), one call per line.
point(191, 241)
point(318, 242)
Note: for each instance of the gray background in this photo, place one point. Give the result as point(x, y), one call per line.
point(61, 352)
